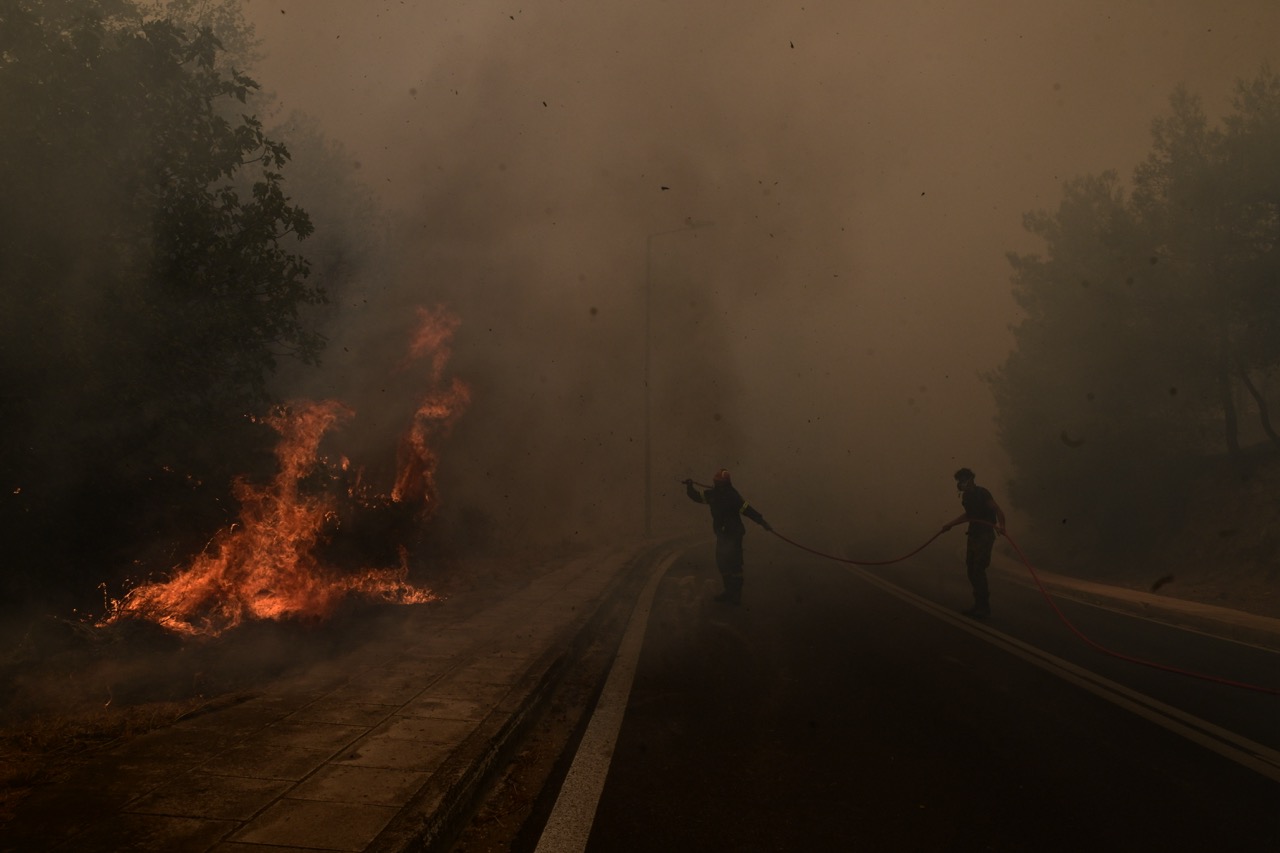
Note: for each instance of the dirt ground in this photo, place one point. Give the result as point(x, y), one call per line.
point(1251, 590)
point(1223, 548)
point(1226, 548)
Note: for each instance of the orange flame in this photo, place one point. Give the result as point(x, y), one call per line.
point(439, 410)
point(265, 567)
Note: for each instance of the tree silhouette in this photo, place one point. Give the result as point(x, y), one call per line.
point(152, 280)
point(1149, 326)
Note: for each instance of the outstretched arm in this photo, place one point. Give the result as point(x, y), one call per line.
point(752, 513)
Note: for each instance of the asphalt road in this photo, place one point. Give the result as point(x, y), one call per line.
point(834, 712)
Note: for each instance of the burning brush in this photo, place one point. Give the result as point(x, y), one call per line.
point(266, 567)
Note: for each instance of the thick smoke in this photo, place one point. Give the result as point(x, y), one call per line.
point(856, 173)
point(864, 169)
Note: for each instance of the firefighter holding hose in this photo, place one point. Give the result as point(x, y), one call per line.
point(727, 509)
point(986, 519)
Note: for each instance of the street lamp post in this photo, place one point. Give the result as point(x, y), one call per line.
point(689, 225)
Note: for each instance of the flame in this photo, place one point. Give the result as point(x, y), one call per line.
point(265, 567)
point(417, 460)
point(433, 339)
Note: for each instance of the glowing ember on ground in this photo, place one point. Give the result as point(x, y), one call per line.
point(265, 567)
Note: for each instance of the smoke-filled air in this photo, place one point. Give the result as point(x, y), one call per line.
point(303, 299)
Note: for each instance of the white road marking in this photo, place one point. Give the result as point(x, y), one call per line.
point(1241, 750)
point(571, 818)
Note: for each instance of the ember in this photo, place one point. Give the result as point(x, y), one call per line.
point(266, 566)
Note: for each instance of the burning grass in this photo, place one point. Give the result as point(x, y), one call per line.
point(269, 565)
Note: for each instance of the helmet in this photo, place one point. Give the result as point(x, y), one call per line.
point(722, 476)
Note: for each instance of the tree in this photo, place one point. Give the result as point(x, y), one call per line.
point(224, 18)
point(1180, 193)
point(1145, 322)
point(1252, 171)
point(1082, 399)
point(151, 277)
point(1211, 197)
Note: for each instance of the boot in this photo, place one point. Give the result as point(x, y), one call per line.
point(732, 591)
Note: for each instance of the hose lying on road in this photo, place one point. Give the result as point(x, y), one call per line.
point(1061, 616)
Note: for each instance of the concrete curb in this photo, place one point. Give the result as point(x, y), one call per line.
point(1223, 622)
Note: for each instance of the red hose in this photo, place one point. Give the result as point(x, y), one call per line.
point(1047, 597)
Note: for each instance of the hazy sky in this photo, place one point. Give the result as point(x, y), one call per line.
point(865, 167)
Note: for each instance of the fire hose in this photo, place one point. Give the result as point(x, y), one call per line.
point(1088, 641)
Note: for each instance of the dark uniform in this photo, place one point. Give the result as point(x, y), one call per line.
point(986, 519)
point(978, 503)
point(727, 509)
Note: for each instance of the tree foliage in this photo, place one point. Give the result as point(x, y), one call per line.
point(151, 276)
point(1149, 325)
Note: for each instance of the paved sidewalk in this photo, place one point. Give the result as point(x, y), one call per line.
point(376, 751)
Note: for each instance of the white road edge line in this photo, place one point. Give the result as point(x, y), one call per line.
point(569, 825)
point(1247, 753)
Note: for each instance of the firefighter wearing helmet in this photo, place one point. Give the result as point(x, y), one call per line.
point(727, 509)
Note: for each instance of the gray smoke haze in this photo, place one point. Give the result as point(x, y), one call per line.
point(864, 168)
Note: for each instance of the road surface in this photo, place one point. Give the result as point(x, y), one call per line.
point(847, 710)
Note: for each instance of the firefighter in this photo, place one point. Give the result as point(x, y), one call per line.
point(979, 507)
point(727, 509)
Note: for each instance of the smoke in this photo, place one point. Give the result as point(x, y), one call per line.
point(862, 170)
